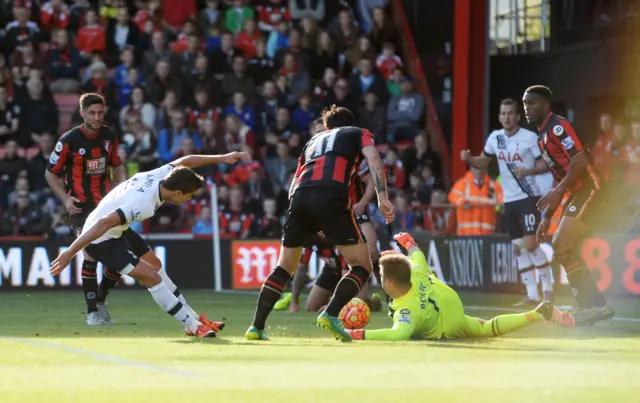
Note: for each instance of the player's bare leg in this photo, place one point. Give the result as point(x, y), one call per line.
point(272, 289)
point(592, 306)
point(359, 261)
point(149, 277)
point(318, 298)
point(542, 265)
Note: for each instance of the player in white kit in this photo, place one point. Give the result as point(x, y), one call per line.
point(107, 237)
point(516, 150)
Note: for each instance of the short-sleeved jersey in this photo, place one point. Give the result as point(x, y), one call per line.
point(135, 199)
point(85, 161)
point(559, 142)
point(519, 150)
point(332, 158)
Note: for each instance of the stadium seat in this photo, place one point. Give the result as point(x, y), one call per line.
point(67, 105)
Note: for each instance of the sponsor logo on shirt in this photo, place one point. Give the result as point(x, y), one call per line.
point(59, 147)
point(405, 319)
point(558, 130)
point(96, 166)
point(54, 158)
point(568, 143)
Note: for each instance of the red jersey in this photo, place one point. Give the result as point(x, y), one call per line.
point(53, 18)
point(202, 113)
point(235, 224)
point(326, 251)
point(559, 142)
point(396, 175)
point(386, 65)
point(270, 15)
point(332, 158)
point(440, 219)
point(358, 186)
point(247, 44)
point(85, 161)
point(91, 39)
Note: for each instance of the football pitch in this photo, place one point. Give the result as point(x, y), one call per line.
point(48, 354)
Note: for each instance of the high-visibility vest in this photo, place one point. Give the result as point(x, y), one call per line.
point(480, 218)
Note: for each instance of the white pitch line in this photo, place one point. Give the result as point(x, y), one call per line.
point(498, 309)
point(103, 357)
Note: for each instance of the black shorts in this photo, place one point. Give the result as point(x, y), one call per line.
point(363, 218)
point(120, 254)
point(329, 277)
point(521, 217)
point(320, 209)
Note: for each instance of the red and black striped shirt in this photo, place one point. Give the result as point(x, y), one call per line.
point(86, 161)
point(559, 142)
point(332, 158)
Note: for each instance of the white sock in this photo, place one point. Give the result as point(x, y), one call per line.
point(171, 305)
point(174, 289)
point(528, 274)
point(543, 268)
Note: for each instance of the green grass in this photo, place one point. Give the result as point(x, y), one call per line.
point(48, 355)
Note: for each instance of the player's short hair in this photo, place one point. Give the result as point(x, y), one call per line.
point(397, 268)
point(542, 91)
point(337, 116)
point(90, 98)
point(183, 179)
point(511, 102)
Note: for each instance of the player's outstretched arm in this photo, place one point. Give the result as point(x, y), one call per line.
point(96, 231)
point(379, 181)
point(480, 161)
point(401, 331)
point(416, 257)
point(194, 161)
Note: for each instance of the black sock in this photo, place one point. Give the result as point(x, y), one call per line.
point(90, 284)
point(583, 286)
point(271, 291)
point(109, 280)
point(347, 288)
point(376, 271)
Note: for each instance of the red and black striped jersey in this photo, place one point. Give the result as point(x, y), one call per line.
point(86, 161)
point(559, 142)
point(332, 158)
point(326, 251)
point(357, 188)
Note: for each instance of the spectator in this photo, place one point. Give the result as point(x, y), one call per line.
point(237, 81)
point(168, 218)
point(209, 18)
point(373, 117)
point(439, 217)
point(212, 137)
point(91, 38)
point(323, 57)
point(394, 169)
point(163, 81)
point(238, 134)
point(202, 110)
point(323, 89)
point(121, 33)
point(170, 140)
point(186, 40)
point(388, 61)
point(19, 30)
point(361, 49)
point(256, 189)
point(175, 12)
point(204, 225)
point(366, 10)
point(148, 12)
point(143, 146)
point(268, 224)
point(187, 147)
point(340, 95)
point(77, 14)
point(420, 154)
point(27, 57)
point(138, 106)
point(394, 82)
point(271, 14)
point(242, 110)
point(201, 77)
point(383, 29)
point(99, 84)
point(405, 216)
point(121, 73)
point(11, 164)
point(124, 91)
point(279, 166)
point(39, 113)
point(260, 67)
point(631, 156)
point(24, 218)
point(278, 39)
point(602, 146)
point(38, 163)
point(269, 103)
point(282, 129)
point(298, 79)
point(236, 16)
point(9, 118)
point(235, 221)
point(301, 9)
point(169, 105)
point(295, 48)
point(309, 27)
point(22, 183)
point(475, 197)
point(158, 51)
point(63, 64)
point(248, 38)
point(367, 79)
point(419, 190)
point(346, 32)
point(303, 115)
point(405, 113)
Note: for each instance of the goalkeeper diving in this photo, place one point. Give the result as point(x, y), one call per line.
point(423, 307)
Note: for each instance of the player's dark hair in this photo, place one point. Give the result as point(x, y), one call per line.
point(396, 268)
point(183, 179)
point(542, 91)
point(337, 116)
point(90, 98)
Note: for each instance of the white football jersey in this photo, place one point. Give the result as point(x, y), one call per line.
point(519, 150)
point(135, 199)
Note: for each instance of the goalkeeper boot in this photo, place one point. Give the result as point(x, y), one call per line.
point(104, 313)
point(284, 302)
point(551, 314)
point(254, 334)
point(202, 331)
point(334, 326)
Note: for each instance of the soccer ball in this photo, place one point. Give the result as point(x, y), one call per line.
point(355, 315)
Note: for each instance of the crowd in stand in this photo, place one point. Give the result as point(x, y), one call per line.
point(185, 77)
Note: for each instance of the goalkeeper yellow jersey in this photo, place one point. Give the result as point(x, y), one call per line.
point(415, 314)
